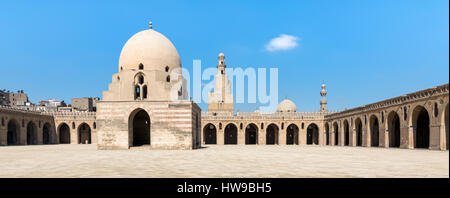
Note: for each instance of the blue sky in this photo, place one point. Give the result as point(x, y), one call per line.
point(364, 50)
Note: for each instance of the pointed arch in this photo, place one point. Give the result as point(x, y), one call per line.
point(272, 134)
point(346, 133)
point(32, 136)
point(13, 132)
point(230, 134)
point(336, 133)
point(393, 129)
point(251, 134)
point(374, 131)
point(312, 134)
point(292, 134)
point(47, 133)
point(139, 128)
point(327, 134)
point(210, 134)
point(421, 127)
point(359, 132)
point(64, 133)
point(84, 133)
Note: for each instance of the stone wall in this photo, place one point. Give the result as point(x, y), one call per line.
point(434, 100)
point(172, 124)
point(301, 120)
point(75, 120)
point(21, 119)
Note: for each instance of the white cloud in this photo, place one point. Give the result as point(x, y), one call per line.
point(282, 42)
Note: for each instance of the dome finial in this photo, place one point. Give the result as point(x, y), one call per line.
point(323, 93)
point(150, 24)
point(152, 49)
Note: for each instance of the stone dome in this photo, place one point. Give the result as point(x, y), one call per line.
point(286, 106)
point(151, 49)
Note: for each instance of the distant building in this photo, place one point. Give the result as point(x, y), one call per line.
point(8, 98)
point(3, 98)
point(85, 104)
point(52, 103)
point(65, 109)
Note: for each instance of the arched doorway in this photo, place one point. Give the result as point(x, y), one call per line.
point(312, 134)
point(394, 129)
point(336, 133)
point(210, 134)
point(446, 121)
point(292, 134)
point(64, 134)
point(327, 133)
point(31, 133)
point(251, 134)
point(13, 134)
point(230, 136)
point(346, 133)
point(421, 124)
point(140, 128)
point(374, 131)
point(46, 136)
point(272, 134)
point(358, 126)
point(84, 134)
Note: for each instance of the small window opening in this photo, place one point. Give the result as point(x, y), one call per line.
point(404, 113)
point(436, 110)
point(141, 80)
point(144, 91)
point(137, 92)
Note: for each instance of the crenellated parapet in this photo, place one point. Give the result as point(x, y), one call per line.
point(426, 94)
point(72, 114)
point(22, 127)
point(263, 116)
point(414, 120)
point(17, 110)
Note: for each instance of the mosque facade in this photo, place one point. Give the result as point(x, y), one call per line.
point(146, 106)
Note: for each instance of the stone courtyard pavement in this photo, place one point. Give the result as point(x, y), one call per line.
point(221, 161)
